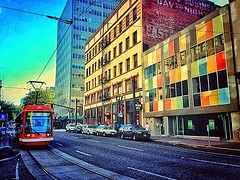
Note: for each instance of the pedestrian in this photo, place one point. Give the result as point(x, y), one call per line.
point(147, 127)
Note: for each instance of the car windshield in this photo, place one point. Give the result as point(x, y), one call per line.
point(38, 122)
point(137, 127)
point(92, 126)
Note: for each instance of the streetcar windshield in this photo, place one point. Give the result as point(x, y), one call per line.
point(38, 122)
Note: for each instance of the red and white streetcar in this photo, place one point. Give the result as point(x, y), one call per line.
point(35, 125)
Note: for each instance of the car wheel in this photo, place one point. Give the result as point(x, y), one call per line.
point(122, 136)
point(134, 137)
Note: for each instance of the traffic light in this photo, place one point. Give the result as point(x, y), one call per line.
point(137, 116)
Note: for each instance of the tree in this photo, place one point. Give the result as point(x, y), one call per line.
point(10, 109)
point(44, 96)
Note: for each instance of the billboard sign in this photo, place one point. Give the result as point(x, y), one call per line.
point(163, 18)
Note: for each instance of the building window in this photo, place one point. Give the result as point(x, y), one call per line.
point(128, 85)
point(115, 52)
point(120, 48)
point(115, 90)
point(109, 37)
point(115, 32)
point(120, 26)
point(135, 60)
point(127, 43)
point(152, 95)
point(99, 64)
point(202, 50)
point(195, 53)
point(127, 20)
point(99, 80)
point(183, 59)
point(128, 64)
point(119, 88)
point(134, 13)
point(219, 43)
point(109, 74)
point(114, 71)
point(160, 93)
point(120, 68)
point(109, 56)
point(134, 37)
point(210, 47)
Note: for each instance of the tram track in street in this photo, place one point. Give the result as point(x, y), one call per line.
point(51, 163)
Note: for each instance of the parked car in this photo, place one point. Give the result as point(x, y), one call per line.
point(106, 130)
point(135, 132)
point(78, 128)
point(89, 129)
point(70, 127)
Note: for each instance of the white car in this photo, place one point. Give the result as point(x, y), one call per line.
point(105, 130)
point(89, 129)
point(70, 127)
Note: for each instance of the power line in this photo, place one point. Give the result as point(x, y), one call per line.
point(67, 21)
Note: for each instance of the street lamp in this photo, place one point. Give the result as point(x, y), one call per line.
point(119, 114)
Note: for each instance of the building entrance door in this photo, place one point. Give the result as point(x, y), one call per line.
point(226, 123)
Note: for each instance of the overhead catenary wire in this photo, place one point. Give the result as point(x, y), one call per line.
point(37, 14)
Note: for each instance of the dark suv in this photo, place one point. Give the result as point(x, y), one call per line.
point(134, 132)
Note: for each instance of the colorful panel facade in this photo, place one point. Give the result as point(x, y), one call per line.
point(210, 78)
point(198, 74)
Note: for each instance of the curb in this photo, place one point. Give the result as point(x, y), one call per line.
point(198, 146)
point(10, 158)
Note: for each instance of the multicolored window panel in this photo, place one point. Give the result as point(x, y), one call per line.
point(209, 66)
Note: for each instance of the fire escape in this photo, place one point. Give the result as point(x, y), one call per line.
point(106, 76)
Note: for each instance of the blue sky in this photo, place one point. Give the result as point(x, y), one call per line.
point(27, 42)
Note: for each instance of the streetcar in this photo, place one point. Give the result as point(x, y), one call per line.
point(34, 125)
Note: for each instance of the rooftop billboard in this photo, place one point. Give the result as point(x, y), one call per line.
point(163, 18)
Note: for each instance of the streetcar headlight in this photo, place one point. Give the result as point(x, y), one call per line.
point(27, 135)
point(49, 134)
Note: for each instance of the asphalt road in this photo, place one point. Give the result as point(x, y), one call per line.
point(148, 160)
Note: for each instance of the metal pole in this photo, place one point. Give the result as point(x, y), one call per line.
point(76, 111)
point(134, 102)
point(209, 144)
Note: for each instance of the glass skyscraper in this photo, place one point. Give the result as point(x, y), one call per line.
point(79, 20)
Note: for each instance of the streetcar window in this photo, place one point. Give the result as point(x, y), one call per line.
point(38, 122)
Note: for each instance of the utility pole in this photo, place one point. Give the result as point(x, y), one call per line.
point(76, 110)
point(134, 101)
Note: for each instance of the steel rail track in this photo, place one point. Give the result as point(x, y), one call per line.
point(82, 166)
point(93, 170)
point(41, 167)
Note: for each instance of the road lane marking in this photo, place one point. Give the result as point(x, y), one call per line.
point(59, 144)
point(130, 148)
point(158, 175)
point(218, 163)
point(16, 172)
point(93, 140)
point(83, 153)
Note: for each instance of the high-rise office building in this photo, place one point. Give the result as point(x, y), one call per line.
point(79, 20)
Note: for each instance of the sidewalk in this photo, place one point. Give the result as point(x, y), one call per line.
point(198, 143)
